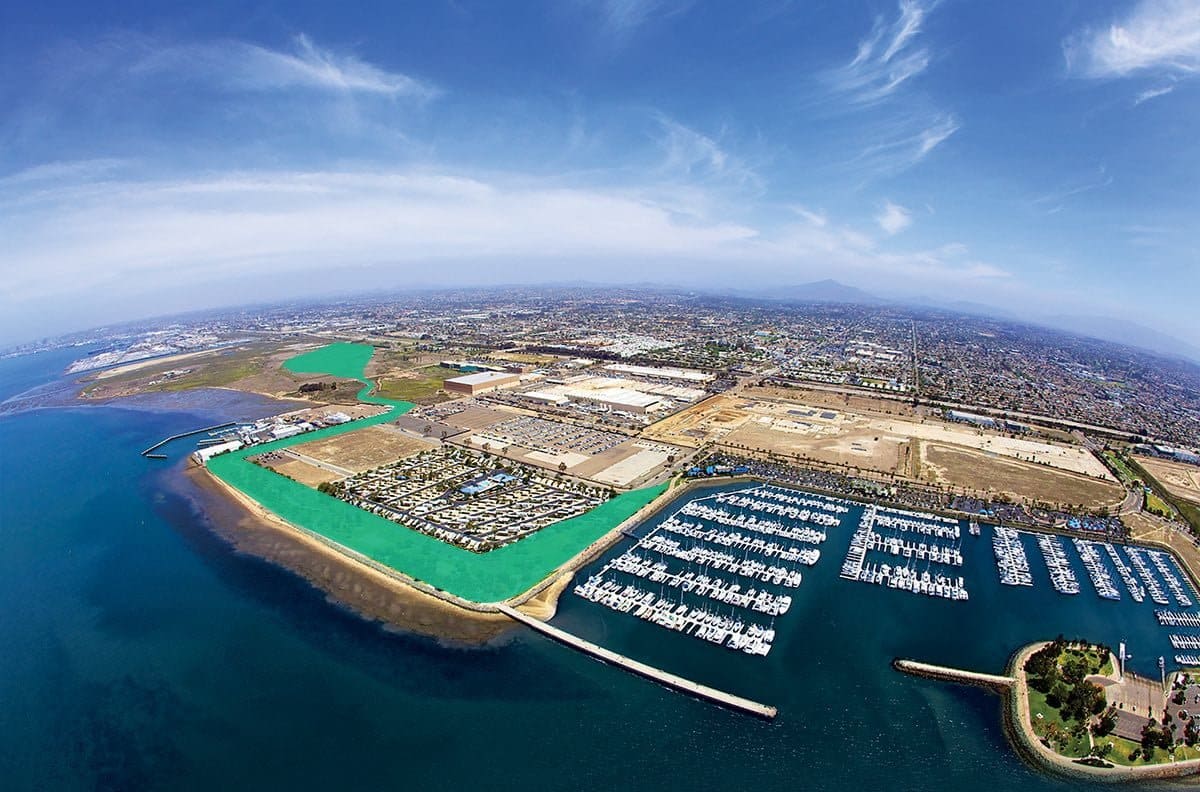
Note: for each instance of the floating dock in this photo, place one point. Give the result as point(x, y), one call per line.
point(149, 452)
point(641, 669)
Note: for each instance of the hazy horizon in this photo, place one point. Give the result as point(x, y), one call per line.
point(1038, 160)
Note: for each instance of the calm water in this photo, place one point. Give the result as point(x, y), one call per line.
point(137, 651)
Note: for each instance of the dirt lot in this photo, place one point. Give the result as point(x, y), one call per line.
point(985, 471)
point(853, 447)
point(705, 422)
point(839, 401)
point(303, 472)
point(364, 449)
point(1179, 478)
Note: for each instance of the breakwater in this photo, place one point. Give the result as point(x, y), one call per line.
point(993, 682)
point(149, 452)
point(641, 669)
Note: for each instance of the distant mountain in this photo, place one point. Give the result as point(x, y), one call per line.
point(1099, 327)
point(1125, 332)
point(827, 290)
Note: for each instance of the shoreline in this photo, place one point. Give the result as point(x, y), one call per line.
point(1019, 731)
point(363, 588)
point(384, 594)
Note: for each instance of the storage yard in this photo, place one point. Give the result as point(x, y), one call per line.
point(466, 499)
point(583, 452)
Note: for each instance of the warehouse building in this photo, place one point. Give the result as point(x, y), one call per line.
point(482, 382)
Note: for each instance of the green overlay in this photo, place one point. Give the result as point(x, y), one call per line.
point(488, 577)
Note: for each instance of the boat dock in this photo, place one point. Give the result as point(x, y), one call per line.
point(149, 452)
point(641, 669)
point(1011, 561)
point(721, 567)
point(901, 525)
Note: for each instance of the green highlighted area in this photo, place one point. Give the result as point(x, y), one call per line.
point(489, 577)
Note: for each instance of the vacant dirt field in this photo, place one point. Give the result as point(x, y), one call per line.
point(838, 401)
point(365, 449)
point(303, 472)
point(1180, 479)
point(706, 422)
point(854, 447)
point(986, 471)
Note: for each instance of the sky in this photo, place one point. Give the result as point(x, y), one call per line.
point(1042, 157)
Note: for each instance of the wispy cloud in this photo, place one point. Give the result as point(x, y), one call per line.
point(1152, 93)
point(619, 19)
point(1157, 35)
point(1055, 201)
point(893, 218)
point(692, 155)
point(905, 143)
point(888, 58)
point(242, 66)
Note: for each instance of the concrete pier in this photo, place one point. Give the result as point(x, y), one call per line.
point(641, 669)
point(947, 674)
point(149, 452)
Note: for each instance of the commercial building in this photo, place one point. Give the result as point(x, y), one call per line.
point(482, 382)
point(202, 455)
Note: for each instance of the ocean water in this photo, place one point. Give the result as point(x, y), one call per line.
point(138, 651)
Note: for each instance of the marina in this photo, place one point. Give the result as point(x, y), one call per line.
point(1136, 590)
point(722, 574)
point(1062, 577)
point(1101, 579)
point(1011, 560)
point(1177, 619)
point(1184, 641)
point(1164, 564)
point(1138, 558)
point(884, 530)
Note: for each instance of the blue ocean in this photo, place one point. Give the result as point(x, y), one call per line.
point(138, 650)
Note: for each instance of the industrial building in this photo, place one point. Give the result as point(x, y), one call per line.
point(481, 382)
point(661, 372)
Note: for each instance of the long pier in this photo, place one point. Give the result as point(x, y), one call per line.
point(958, 675)
point(641, 669)
point(149, 451)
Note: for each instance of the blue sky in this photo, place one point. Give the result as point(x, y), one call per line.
point(1043, 157)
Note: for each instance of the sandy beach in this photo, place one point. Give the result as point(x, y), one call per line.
point(361, 588)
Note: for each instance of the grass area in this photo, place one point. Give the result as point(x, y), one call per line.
point(1098, 662)
point(1051, 721)
point(489, 577)
point(347, 361)
point(1156, 505)
point(1188, 510)
point(1122, 748)
point(1119, 466)
point(221, 368)
point(421, 387)
point(1064, 714)
point(525, 357)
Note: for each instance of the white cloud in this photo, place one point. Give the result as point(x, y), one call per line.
point(1157, 35)
point(1055, 199)
point(693, 156)
point(893, 218)
point(1152, 93)
point(283, 229)
point(905, 143)
point(620, 18)
point(887, 58)
point(242, 66)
